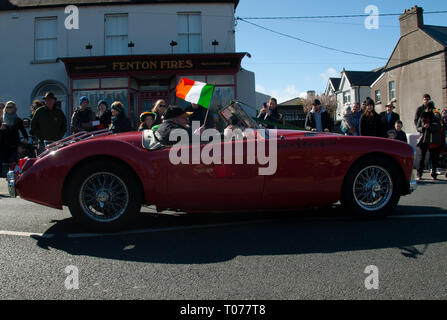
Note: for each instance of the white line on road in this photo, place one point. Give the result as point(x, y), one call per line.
point(141, 231)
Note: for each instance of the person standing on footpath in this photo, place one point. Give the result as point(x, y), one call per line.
point(269, 112)
point(83, 117)
point(10, 127)
point(370, 124)
point(104, 115)
point(388, 118)
point(120, 123)
point(425, 100)
point(49, 122)
point(430, 141)
point(318, 119)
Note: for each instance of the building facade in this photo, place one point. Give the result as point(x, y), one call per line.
point(416, 66)
point(134, 51)
point(354, 87)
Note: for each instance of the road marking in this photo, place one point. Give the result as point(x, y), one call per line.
point(436, 215)
point(192, 227)
point(25, 234)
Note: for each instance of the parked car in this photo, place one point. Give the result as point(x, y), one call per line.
point(105, 178)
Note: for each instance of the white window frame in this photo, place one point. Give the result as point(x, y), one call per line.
point(36, 20)
point(346, 96)
point(393, 95)
point(116, 35)
point(380, 96)
point(188, 33)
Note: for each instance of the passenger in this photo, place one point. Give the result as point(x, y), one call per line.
point(120, 123)
point(159, 108)
point(233, 129)
point(147, 120)
point(400, 134)
point(83, 117)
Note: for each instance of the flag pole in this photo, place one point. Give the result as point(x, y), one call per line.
point(208, 110)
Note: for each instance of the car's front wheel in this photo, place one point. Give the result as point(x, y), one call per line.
point(104, 196)
point(371, 188)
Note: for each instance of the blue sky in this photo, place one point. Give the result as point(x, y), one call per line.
point(286, 68)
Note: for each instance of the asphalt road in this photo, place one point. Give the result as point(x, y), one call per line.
point(319, 254)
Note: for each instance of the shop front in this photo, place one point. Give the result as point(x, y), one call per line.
point(139, 81)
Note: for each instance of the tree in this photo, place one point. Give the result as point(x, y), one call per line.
point(328, 102)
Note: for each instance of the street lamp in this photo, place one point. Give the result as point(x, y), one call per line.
point(173, 44)
point(89, 47)
point(215, 43)
point(131, 45)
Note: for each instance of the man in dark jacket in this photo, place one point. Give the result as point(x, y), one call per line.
point(120, 123)
point(269, 113)
point(430, 127)
point(199, 113)
point(83, 117)
point(318, 119)
point(426, 99)
point(388, 119)
point(174, 118)
point(49, 122)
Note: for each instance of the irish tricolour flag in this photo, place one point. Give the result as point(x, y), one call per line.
point(195, 92)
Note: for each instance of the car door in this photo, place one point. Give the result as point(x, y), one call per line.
point(228, 184)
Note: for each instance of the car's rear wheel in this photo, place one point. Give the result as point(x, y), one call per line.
point(371, 188)
point(104, 196)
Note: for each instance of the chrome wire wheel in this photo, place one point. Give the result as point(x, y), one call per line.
point(104, 197)
point(373, 188)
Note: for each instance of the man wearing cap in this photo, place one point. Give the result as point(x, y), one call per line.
point(318, 119)
point(174, 118)
point(49, 123)
point(388, 119)
point(83, 117)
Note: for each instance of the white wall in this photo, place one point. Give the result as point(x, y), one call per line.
point(246, 91)
point(151, 28)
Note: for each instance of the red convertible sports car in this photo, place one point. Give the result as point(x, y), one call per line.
point(105, 178)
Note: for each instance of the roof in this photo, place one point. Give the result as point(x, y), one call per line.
point(32, 4)
point(362, 78)
point(335, 82)
point(293, 102)
point(437, 33)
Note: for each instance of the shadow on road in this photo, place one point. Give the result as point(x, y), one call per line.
point(257, 234)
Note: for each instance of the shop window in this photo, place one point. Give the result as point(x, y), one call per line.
point(221, 79)
point(95, 96)
point(86, 84)
point(114, 83)
point(189, 33)
point(222, 97)
point(116, 34)
point(45, 38)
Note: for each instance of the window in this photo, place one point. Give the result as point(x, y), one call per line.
point(189, 33)
point(346, 97)
point(392, 87)
point(116, 35)
point(45, 38)
point(377, 96)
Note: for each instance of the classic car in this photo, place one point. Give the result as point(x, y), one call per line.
point(105, 178)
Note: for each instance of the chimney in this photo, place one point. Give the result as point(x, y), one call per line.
point(411, 20)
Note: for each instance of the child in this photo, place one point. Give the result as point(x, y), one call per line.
point(400, 134)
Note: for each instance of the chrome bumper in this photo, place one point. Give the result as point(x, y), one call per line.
point(10, 178)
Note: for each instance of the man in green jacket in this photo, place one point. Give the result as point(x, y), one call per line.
point(49, 123)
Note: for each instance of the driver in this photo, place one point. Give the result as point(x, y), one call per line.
point(174, 118)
